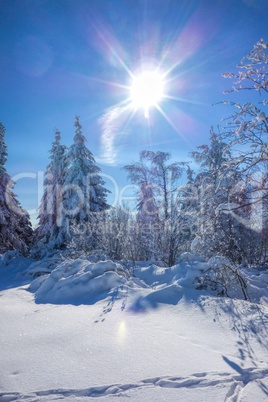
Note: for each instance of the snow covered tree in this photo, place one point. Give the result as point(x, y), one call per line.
point(215, 184)
point(165, 179)
point(221, 218)
point(49, 233)
point(84, 198)
point(157, 209)
point(248, 124)
point(187, 205)
point(148, 223)
point(120, 238)
point(15, 226)
point(246, 130)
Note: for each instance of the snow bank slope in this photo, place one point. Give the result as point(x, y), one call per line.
point(77, 282)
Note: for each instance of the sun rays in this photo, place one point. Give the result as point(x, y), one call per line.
point(150, 84)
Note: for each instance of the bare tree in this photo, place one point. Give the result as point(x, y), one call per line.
point(157, 207)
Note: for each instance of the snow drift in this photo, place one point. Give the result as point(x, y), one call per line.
point(77, 282)
point(84, 282)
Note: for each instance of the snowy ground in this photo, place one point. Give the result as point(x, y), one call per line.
point(165, 342)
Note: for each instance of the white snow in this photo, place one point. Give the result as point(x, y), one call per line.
point(261, 116)
point(226, 207)
point(195, 243)
point(97, 334)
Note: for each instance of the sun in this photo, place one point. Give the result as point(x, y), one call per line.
point(147, 90)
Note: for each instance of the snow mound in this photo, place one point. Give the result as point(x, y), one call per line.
point(155, 275)
point(170, 294)
point(166, 285)
point(184, 273)
point(257, 286)
point(77, 282)
point(44, 266)
point(82, 281)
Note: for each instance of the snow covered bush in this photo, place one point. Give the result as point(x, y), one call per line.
point(223, 278)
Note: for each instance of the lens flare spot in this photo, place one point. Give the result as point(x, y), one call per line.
point(122, 332)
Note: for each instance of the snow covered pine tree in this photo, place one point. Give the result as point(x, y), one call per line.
point(84, 198)
point(49, 234)
point(15, 226)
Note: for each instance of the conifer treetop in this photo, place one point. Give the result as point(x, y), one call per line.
point(3, 147)
point(78, 138)
point(78, 151)
point(57, 137)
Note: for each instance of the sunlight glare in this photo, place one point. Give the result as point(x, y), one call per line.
point(147, 90)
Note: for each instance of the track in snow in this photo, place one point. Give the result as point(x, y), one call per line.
point(199, 380)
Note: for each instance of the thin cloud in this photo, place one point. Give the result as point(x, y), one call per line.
point(113, 126)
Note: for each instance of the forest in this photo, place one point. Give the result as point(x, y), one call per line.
point(220, 210)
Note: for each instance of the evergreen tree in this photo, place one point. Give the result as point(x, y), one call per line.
point(50, 233)
point(84, 194)
point(15, 226)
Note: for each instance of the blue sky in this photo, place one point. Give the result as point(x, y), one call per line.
point(61, 58)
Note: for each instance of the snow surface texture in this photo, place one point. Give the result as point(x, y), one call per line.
point(149, 337)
